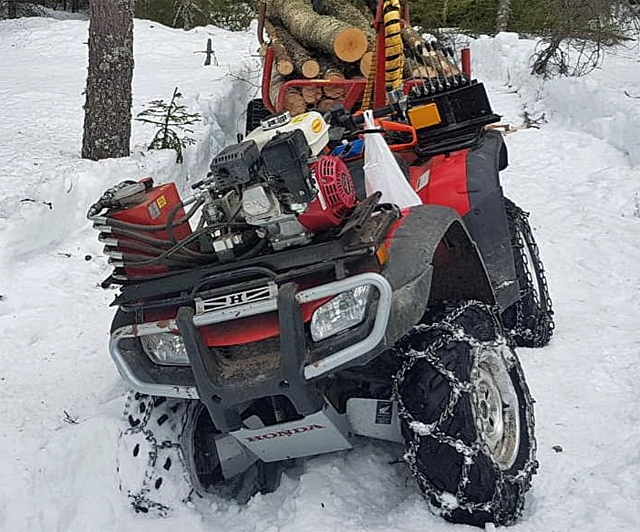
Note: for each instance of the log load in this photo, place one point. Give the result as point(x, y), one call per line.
point(333, 40)
point(328, 34)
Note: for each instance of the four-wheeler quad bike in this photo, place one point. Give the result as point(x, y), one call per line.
point(280, 313)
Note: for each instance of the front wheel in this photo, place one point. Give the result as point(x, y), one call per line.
point(467, 417)
point(151, 463)
point(167, 453)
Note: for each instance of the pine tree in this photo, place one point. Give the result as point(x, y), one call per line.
point(107, 118)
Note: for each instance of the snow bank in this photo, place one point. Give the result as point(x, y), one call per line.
point(57, 470)
point(596, 103)
point(42, 134)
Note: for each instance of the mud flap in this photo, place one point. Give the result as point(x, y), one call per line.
point(487, 219)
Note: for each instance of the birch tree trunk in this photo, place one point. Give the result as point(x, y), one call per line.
point(503, 15)
point(107, 110)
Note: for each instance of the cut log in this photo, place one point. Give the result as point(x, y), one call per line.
point(335, 92)
point(412, 39)
point(422, 71)
point(326, 104)
point(451, 68)
point(311, 94)
point(327, 34)
point(431, 60)
point(350, 44)
point(347, 13)
point(274, 87)
point(328, 68)
point(302, 59)
point(331, 71)
point(294, 102)
point(366, 63)
point(310, 69)
point(441, 63)
point(283, 62)
point(407, 70)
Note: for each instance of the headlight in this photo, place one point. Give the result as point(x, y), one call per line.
point(165, 348)
point(341, 313)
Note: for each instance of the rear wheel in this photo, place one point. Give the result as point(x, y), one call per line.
point(467, 417)
point(529, 320)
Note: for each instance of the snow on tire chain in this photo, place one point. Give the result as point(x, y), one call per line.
point(62, 398)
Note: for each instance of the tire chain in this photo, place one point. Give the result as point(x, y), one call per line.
point(522, 479)
point(138, 410)
point(545, 325)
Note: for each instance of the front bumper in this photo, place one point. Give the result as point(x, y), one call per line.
point(291, 378)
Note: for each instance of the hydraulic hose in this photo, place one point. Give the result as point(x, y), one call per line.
point(170, 223)
point(172, 251)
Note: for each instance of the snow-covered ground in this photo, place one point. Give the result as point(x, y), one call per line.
point(61, 397)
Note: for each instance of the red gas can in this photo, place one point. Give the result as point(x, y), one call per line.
point(145, 233)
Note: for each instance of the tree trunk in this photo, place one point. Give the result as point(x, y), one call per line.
point(502, 19)
point(107, 118)
point(327, 34)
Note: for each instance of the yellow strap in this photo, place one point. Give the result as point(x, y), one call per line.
point(394, 50)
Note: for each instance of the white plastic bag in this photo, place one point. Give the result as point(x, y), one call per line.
point(381, 170)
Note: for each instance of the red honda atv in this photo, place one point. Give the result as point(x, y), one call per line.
point(280, 312)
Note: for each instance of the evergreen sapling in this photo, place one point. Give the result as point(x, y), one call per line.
point(172, 121)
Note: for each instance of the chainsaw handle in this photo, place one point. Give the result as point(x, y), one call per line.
point(388, 125)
